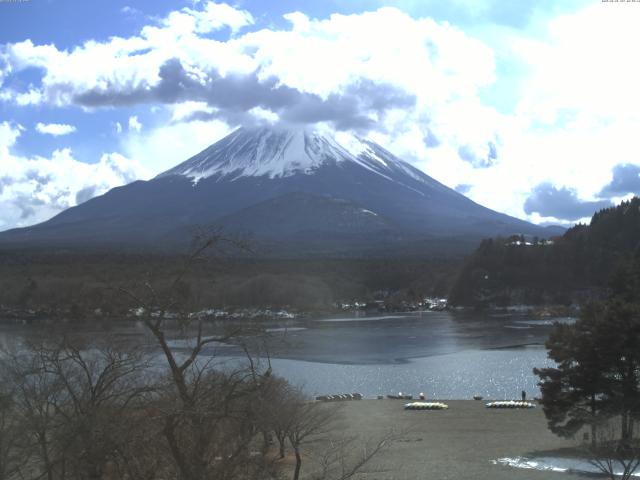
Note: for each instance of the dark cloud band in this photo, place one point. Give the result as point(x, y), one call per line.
point(561, 203)
point(233, 96)
point(626, 180)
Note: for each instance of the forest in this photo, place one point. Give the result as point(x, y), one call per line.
point(75, 285)
point(571, 269)
point(566, 270)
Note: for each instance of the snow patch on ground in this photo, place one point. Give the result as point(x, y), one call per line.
point(368, 212)
point(553, 464)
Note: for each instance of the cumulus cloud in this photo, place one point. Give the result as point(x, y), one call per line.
point(576, 73)
point(567, 128)
point(625, 181)
point(484, 157)
point(353, 71)
point(414, 85)
point(33, 189)
point(134, 124)
point(213, 16)
point(409, 84)
point(164, 147)
point(55, 129)
point(562, 203)
point(232, 98)
point(188, 110)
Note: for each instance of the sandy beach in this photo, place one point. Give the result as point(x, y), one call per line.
point(458, 443)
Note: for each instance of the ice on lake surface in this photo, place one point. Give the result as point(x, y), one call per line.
point(364, 318)
point(284, 329)
point(447, 355)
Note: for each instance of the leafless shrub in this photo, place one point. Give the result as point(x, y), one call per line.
point(615, 458)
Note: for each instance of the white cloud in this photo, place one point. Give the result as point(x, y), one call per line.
point(55, 129)
point(264, 114)
point(121, 64)
point(185, 110)
point(215, 16)
point(579, 111)
point(164, 147)
point(584, 66)
point(433, 62)
point(131, 11)
point(412, 84)
point(33, 189)
point(118, 127)
point(134, 124)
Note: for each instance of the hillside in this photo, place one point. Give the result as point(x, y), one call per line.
point(577, 266)
point(294, 192)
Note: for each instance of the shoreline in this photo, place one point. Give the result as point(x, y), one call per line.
point(16, 315)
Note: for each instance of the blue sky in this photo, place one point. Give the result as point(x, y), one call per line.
point(529, 107)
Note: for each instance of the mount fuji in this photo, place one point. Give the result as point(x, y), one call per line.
point(293, 191)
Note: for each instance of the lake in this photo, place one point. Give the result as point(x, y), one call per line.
point(452, 355)
point(449, 355)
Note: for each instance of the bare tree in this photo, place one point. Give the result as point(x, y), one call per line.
point(212, 415)
point(207, 415)
point(338, 461)
point(273, 415)
point(74, 405)
point(99, 389)
point(306, 421)
point(311, 428)
point(11, 439)
point(34, 395)
point(614, 457)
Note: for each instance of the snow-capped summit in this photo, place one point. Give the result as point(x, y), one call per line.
point(263, 151)
point(296, 191)
point(277, 152)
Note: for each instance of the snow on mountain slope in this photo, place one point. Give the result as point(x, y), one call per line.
point(277, 152)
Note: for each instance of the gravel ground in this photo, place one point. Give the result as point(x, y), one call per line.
point(458, 443)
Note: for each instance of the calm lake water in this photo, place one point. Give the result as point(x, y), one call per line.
point(448, 355)
point(452, 355)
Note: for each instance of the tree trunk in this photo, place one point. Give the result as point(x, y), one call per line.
point(44, 451)
point(594, 428)
point(182, 464)
point(296, 473)
point(625, 427)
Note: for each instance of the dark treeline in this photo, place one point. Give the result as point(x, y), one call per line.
point(77, 284)
point(573, 268)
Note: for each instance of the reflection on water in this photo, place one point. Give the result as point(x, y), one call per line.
point(493, 374)
point(444, 354)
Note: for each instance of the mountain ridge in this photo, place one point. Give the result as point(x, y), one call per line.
point(233, 182)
